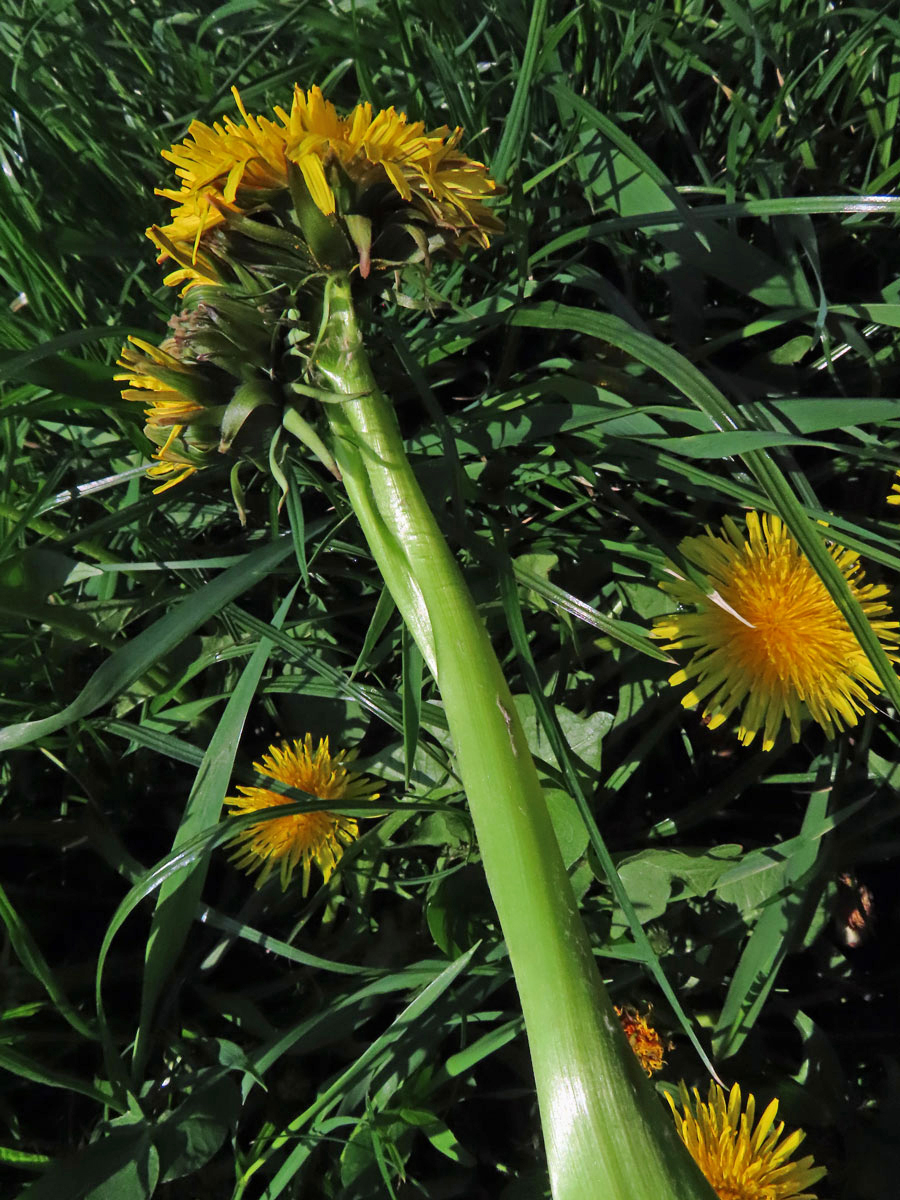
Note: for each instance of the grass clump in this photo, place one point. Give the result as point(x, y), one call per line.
point(692, 314)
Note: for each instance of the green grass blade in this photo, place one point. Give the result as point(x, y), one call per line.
point(31, 958)
point(515, 125)
point(179, 895)
point(772, 937)
point(27, 1068)
point(398, 1029)
point(693, 384)
point(127, 665)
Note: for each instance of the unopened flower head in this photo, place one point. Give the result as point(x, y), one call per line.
point(284, 843)
point(172, 391)
point(181, 417)
point(206, 389)
point(175, 459)
point(742, 1159)
point(768, 640)
point(646, 1043)
point(241, 167)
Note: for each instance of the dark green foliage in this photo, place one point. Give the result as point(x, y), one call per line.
point(697, 214)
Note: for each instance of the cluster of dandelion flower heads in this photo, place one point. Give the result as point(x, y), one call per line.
point(346, 166)
point(281, 844)
point(263, 212)
point(768, 640)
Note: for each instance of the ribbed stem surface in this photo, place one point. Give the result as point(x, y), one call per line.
point(606, 1134)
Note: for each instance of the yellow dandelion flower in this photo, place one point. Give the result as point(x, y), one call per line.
point(642, 1038)
point(740, 1162)
point(160, 381)
point(176, 400)
point(769, 638)
point(216, 164)
point(894, 497)
point(424, 169)
point(285, 842)
point(236, 167)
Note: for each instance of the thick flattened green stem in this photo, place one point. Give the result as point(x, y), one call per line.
point(606, 1134)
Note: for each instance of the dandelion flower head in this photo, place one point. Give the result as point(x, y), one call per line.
point(739, 1161)
point(235, 167)
point(176, 400)
point(769, 640)
point(642, 1038)
point(158, 380)
point(283, 843)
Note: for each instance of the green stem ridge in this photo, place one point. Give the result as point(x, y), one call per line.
point(606, 1133)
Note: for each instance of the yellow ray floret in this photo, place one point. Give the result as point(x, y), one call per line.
point(228, 156)
point(768, 639)
point(181, 240)
point(742, 1162)
point(302, 838)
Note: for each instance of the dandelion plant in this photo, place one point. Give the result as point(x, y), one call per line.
point(309, 205)
point(450, 659)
